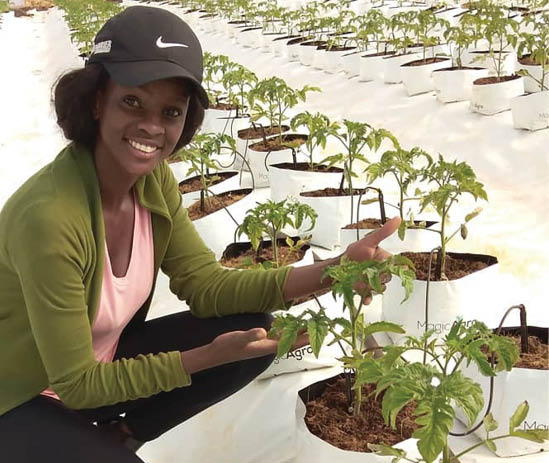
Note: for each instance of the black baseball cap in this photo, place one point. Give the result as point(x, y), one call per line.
point(142, 44)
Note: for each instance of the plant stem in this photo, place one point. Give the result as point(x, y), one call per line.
point(455, 457)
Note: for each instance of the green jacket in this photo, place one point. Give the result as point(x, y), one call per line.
point(51, 268)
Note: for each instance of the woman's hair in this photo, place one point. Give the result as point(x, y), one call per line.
point(75, 96)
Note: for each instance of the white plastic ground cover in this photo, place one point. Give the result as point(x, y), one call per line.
point(257, 424)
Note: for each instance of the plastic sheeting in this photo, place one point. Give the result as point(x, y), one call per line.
point(258, 423)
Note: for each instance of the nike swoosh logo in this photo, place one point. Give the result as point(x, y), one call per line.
point(161, 44)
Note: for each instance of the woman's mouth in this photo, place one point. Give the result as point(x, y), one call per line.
point(144, 149)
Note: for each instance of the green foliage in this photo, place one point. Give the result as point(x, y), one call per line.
point(270, 218)
point(437, 386)
point(4, 6)
point(536, 44)
point(450, 181)
point(272, 98)
point(237, 82)
point(319, 129)
point(369, 27)
point(406, 167)
point(215, 68)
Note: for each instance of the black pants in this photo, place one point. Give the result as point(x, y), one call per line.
point(44, 430)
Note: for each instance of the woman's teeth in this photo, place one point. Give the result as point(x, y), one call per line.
point(141, 147)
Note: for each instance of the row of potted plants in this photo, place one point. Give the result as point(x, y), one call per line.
point(409, 45)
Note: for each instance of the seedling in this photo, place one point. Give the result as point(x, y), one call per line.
point(270, 218)
point(451, 180)
point(271, 99)
point(424, 27)
point(350, 332)
point(200, 154)
point(215, 67)
point(537, 46)
point(355, 137)
point(436, 386)
point(319, 129)
point(403, 166)
point(368, 28)
point(238, 82)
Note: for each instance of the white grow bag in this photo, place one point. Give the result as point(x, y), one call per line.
point(231, 183)
point(494, 98)
point(332, 61)
point(482, 59)
point(311, 448)
point(530, 85)
point(417, 79)
point(371, 67)
point(456, 84)
point(334, 212)
point(288, 183)
point(531, 111)
point(218, 237)
point(391, 67)
point(447, 301)
point(510, 389)
point(351, 63)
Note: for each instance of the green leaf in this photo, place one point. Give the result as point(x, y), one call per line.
point(378, 327)
point(489, 423)
point(535, 435)
point(519, 416)
point(317, 330)
point(385, 450)
point(436, 419)
point(490, 444)
point(466, 394)
point(473, 214)
point(402, 230)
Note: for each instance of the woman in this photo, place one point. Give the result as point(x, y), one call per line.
point(81, 243)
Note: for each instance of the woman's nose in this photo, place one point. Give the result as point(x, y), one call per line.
point(151, 123)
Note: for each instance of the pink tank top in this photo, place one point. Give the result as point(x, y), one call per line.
point(121, 297)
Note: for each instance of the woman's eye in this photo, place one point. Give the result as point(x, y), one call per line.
point(132, 101)
point(173, 112)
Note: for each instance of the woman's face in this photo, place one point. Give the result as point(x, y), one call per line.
point(139, 126)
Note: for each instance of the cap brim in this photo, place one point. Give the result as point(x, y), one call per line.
point(137, 73)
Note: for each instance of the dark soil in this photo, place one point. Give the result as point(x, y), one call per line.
point(286, 37)
point(528, 61)
point(364, 224)
point(421, 62)
point(313, 43)
point(456, 266)
point(494, 80)
point(252, 134)
point(223, 106)
point(381, 53)
point(265, 254)
point(214, 204)
point(537, 357)
point(274, 144)
point(457, 68)
point(194, 184)
point(304, 167)
point(329, 192)
point(334, 48)
point(297, 40)
point(327, 418)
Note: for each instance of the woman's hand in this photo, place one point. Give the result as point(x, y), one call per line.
point(368, 248)
point(232, 347)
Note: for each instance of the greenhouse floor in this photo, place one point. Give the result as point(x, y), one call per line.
point(258, 423)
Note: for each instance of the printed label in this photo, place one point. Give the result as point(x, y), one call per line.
point(102, 47)
point(297, 354)
point(440, 327)
point(534, 425)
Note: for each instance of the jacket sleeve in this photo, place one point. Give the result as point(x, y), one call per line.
point(51, 256)
point(198, 278)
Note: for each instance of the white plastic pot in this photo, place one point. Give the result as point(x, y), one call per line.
point(414, 240)
point(292, 50)
point(250, 37)
point(453, 84)
point(531, 111)
point(510, 389)
point(494, 98)
point(391, 67)
point(333, 60)
point(287, 183)
point(279, 45)
point(371, 67)
point(448, 300)
point(267, 40)
point(242, 145)
point(417, 79)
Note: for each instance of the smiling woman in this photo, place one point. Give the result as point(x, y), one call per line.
point(84, 376)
